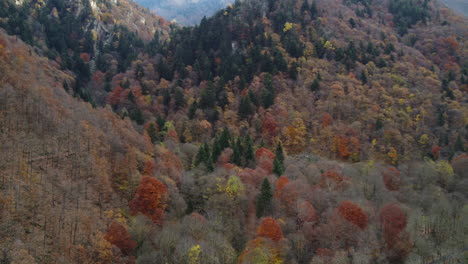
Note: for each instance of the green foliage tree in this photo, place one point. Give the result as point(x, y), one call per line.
point(152, 133)
point(459, 145)
point(248, 150)
point(263, 204)
point(245, 107)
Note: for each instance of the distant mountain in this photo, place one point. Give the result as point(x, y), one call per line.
point(186, 12)
point(460, 6)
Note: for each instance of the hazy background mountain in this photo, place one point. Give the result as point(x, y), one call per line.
point(460, 6)
point(186, 12)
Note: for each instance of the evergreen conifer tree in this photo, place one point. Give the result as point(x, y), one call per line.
point(264, 199)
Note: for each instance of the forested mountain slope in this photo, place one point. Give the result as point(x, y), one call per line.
point(282, 131)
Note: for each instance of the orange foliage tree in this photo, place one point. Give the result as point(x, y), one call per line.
point(353, 213)
point(118, 235)
point(269, 228)
point(280, 183)
point(326, 119)
point(150, 199)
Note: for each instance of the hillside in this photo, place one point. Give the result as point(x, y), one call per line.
point(284, 131)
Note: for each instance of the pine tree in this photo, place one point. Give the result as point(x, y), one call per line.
point(224, 139)
point(207, 158)
point(216, 150)
point(278, 167)
point(253, 98)
point(293, 71)
point(192, 110)
point(137, 116)
point(201, 155)
point(263, 205)
point(315, 86)
point(152, 133)
point(179, 98)
point(379, 123)
point(279, 153)
point(236, 156)
point(313, 10)
point(459, 145)
point(208, 97)
point(305, 6)
point(441, 119)
point(245, 107)
point(278, 163)
point(248, 150)
point(364, 77)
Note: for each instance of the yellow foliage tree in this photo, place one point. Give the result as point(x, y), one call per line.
point(288, 26)
point(295, 136)
point(194, 254)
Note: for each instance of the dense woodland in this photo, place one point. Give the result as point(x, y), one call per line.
point(276, 131)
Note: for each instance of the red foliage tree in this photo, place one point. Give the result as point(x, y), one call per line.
point(435, 152)
point(332, 177)
point(149, 168)
point(118, 235)
point(85, 57)
point(172, 135)
point(393, 220)
point(150, 199)
point(263, 153)
point(114, 97)
point(391, 177)
point(353, 213)
point(270, 228)
point(264, 159)
point(270, 128)
point(306, 212)
point(252, 177)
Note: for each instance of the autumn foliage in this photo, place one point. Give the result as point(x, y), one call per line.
point(150, 199)
point(280, 183)
point(269, 228)
point(306, 212)
point(393, 220)
point(391, 178)
point(118, 235)
point(333, 179)
point(353, 213)
point(264, 158)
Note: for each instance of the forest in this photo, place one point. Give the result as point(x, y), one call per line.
point(275, 131)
